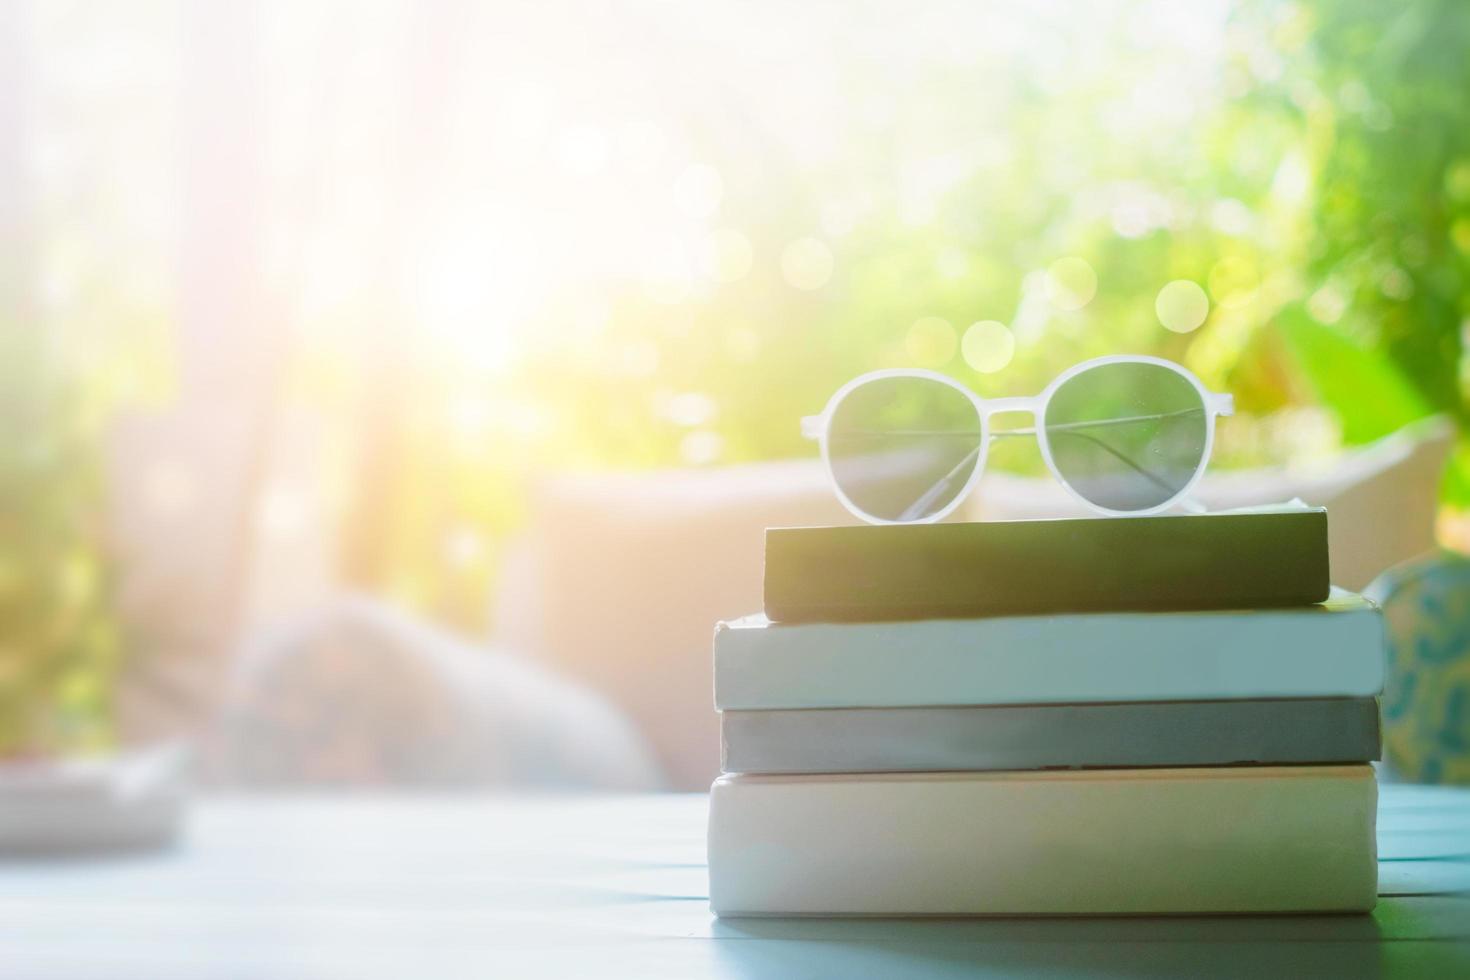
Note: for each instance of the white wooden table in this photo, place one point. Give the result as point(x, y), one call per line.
point(447, 887)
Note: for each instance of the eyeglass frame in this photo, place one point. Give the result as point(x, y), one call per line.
point(1214, 404)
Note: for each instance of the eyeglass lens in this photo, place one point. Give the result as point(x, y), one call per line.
point(1127, 436)
point(903, 448)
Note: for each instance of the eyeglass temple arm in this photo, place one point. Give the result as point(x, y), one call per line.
point(918, 507)
point(1225, 406)
point(1099, 423)
point(1118, 454)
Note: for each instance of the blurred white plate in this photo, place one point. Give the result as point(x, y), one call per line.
point(121, 801)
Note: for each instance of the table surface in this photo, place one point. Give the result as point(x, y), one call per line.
point(450, 887)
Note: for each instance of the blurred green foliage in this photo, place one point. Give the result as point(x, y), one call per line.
point(1315, 182)
point(1387, 119)
point(60, 640)
point(1275, 193)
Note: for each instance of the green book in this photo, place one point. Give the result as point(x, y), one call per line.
point(938, 571)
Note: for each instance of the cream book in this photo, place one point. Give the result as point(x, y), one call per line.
point(1101, 842)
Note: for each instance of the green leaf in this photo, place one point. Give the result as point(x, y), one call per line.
point(1369, 394)
point(1455, 490)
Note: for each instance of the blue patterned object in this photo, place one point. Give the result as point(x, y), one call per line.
point(1426, 705)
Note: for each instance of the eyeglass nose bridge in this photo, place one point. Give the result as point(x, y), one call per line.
point(1003, 406)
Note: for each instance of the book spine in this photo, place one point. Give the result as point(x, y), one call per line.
point(1166, 841)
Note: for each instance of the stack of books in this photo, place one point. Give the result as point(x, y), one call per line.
point(1147, 715)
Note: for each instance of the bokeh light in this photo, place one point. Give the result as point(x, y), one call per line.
point(1328, 304)
point(690, 409)
point(988, 346)
point(701, 447)
point(1182, 305)
point(1070, 283)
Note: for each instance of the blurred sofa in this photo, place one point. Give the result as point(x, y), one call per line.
point(619, 578)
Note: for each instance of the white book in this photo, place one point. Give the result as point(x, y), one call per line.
point(1331, 650)
point(1104, 842)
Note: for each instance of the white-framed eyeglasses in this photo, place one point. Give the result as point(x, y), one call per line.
point(1125, 435)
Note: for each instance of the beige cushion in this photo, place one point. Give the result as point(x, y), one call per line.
point(1381, 499)
point(358, 694)
point(620, 578)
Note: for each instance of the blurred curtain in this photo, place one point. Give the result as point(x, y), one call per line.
point(233, 503)
point(184, 478)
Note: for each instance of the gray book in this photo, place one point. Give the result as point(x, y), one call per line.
point(1123, 735)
